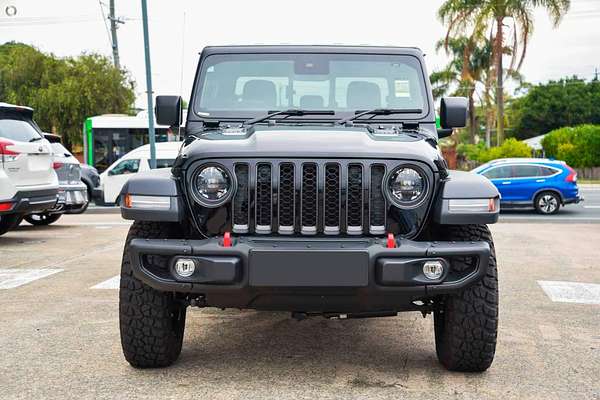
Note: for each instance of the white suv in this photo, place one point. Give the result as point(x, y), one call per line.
point(28, 182)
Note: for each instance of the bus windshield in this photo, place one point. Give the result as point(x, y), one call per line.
point(249, 85)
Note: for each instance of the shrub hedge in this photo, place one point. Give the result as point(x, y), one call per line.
point(510, 148)
point(579, 146)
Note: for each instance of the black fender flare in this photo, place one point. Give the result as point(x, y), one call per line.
point(466, 186)
point(158, 183)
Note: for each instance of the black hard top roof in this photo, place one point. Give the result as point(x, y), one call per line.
point(414, 51)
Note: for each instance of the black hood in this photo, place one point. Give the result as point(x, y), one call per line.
point(309, 142)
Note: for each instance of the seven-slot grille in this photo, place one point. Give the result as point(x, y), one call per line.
point(304, 197)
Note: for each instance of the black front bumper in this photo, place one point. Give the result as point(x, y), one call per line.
point(27, 202)
point(302, 274)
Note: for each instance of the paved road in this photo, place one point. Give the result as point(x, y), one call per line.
point(59, 331)
point(587, 211)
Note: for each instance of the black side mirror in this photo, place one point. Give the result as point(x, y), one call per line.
point(168, 110)
point(453, 112)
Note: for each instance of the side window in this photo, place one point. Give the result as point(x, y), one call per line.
point(526, 171)
point(125, 167)
point(164, 162)
point(546, 171)
point(502, 172)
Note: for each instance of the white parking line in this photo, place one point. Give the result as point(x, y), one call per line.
point(591, 206)
point(119, 223)
point(572, 292)
point(12, 278)
point(112, 283)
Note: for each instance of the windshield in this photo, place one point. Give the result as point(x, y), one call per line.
point(249, 85)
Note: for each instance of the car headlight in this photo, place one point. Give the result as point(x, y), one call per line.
point(212, 185)
point(406, 187)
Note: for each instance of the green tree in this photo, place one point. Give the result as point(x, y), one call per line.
point(63, 91)
point(468, 65)
point(483, 16)
point(552, 105)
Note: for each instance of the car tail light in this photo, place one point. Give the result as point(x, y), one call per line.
point(5, 152)
point(572, 177)
point(57, 165)
point(6, 206)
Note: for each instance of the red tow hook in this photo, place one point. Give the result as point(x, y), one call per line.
point(227, 239)
point(391, 241)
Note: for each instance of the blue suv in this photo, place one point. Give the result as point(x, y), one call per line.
point(524, 182)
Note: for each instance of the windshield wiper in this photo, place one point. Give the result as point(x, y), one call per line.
point(380, 111)
point(35, 139)
point(290, 112)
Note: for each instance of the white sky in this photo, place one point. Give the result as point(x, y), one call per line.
point(179, 29)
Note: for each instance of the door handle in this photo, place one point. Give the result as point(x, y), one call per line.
point(540, 180)
point(506, 183)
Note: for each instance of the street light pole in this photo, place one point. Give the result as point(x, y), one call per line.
point(151, 131)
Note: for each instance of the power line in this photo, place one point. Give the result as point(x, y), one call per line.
point(28, 21)
point(105, 25)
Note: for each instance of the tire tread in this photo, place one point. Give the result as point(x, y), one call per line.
point(149, 336)
point(467, 324)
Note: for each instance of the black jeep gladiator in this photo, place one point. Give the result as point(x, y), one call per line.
point(310, 181)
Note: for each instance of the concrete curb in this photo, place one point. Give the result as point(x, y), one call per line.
point(92, 209)
point(589, 186)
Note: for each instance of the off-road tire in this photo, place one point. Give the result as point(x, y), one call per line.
point(42, 219)
point(8, 222)
point(547, 203)
point(151, 322)
point(466, 323)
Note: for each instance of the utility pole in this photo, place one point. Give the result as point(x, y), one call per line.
point(113, 33)
point(151, 132)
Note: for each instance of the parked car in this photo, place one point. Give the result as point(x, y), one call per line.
point(310, 181)
point(137, 160)
point(72, 192)
point(91, 178)
point(28, 183)
point(541, 183)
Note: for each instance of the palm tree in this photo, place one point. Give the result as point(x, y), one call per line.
point(469, 63)
point(483, 16)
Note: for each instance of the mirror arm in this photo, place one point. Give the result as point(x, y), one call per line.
point(444, 132)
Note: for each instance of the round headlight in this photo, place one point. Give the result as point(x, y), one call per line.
point(406, 187)
point(212, 185)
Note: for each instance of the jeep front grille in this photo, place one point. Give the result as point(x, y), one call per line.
point(304, 197)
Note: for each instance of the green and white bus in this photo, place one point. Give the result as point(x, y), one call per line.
point(106, 138)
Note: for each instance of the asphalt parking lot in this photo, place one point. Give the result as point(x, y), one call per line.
point(59, 327)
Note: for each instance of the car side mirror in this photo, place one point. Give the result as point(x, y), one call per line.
point(168, 110)
point(453, 112)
